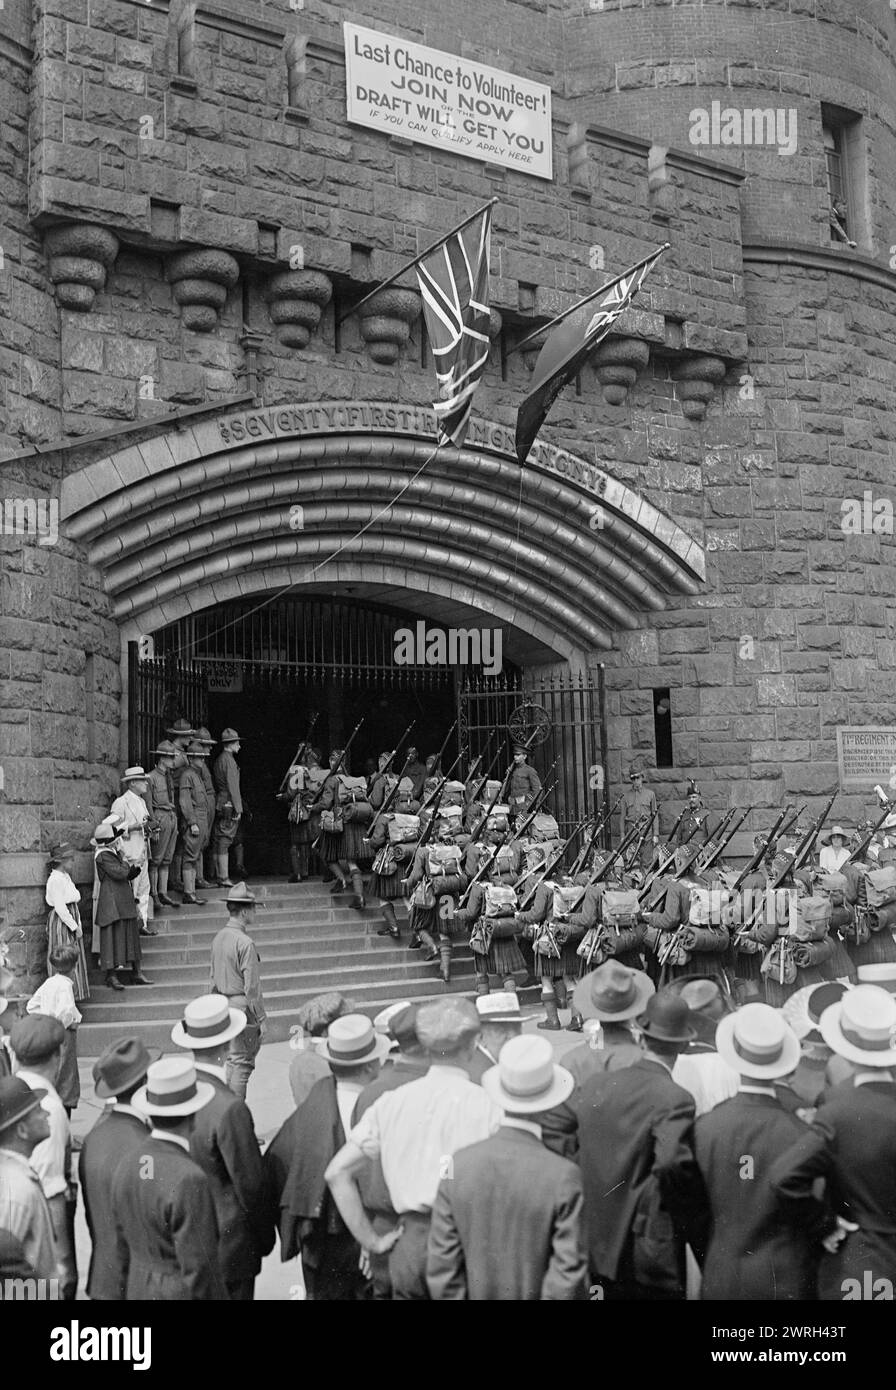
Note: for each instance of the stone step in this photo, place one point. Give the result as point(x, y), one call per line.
point(198, 918)
point(352, 928)
point(319, 955)
point(165, 951)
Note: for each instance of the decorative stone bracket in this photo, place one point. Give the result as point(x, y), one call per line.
point(696, 379)
point(386, 321)
point(79, 256)
point(201, 280)
point(616, 362)
point(296, 299)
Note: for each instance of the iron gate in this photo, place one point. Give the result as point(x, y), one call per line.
point(565, 716)
point(161, 689)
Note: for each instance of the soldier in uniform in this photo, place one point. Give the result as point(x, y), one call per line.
point(228, 804)
point(159, 798)
point(694, 826)
point(434, 887)
point(181, 735)
point(193, 811)
point(204, 879)
point(524, 784)
point(637, 805)
point(681, 944)
point(304, 825)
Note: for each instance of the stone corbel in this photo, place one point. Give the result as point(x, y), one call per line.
point(200, 281)
point(386, 321)
point(696, 379)
point(616, 363)
point(79, 255)
point(296, 299)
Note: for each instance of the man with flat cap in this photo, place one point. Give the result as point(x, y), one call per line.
point(224, 1145)
point(415, 1131)
point(121, 1130)
point(24, 1213)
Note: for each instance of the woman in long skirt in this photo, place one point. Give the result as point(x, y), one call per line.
point(64, 921)
point(115, 914)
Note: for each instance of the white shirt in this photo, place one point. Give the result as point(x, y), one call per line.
point(707, 1077)
point(59, 892)
point(55, 999)
point(48, 1158)
point(516, 1122)
point(868, 1078)
point(830, 859)
point(347, 1093)
point(169, 1138)
point(416, 1129)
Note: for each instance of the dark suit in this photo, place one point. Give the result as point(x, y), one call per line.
point(757, 1245)
point(223, 1143)
point(636, 1156)
point(852, 1144)
point(166, 1231)
point(113, 1137)
point(507, 1224)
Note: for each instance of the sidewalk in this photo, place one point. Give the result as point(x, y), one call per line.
point(270, 1101)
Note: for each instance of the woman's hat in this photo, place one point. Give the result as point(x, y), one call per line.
point(882, 974)
point(352, 1041)
point(121, 1066)
point(133, 774)
point(207, 1022)
point(180, 729)
point(757, 1041)
point(527, 1079)
point(667, 1019)
point(827, 835)
point(108, 831)
point(61, 851)
point(172, 1089)
point(613, 993)
point(230, 736)
point(862, 1027)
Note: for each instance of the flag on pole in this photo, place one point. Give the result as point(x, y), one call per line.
point(454, 284)
point(566, 349)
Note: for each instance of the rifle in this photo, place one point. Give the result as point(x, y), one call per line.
point(334, 772)
point(582, 857)
point(662, 866)
point(389, 798)
point(725, 832)
point(300, 753)
point(680, 873)
point(491, 767)
point(760, 853)
point(549, 868)
point(808, 844)
point(508, 834)
point(803, 851)
point(438, 761)
point(860, 849)
point(633, 857)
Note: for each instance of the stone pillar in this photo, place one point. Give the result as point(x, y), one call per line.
point(79, 256)
point(201, 280)
point(386, 321)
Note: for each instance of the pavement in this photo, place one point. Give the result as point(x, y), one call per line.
point(270, 1100)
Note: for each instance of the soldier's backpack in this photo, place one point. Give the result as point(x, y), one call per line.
point(706, 906)
point(835, 885)
point(566, 899)
point(352, 791)
point(500, 901)
point(619, 907)
point(403, 827)
point(442, 860)
point(813, 918)
point(498, 817)
point(880, 886)
point(544, 827)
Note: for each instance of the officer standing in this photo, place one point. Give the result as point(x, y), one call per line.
point(695, 819)
point(637, 805)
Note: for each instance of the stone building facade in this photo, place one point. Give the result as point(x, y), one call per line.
point(188, 213)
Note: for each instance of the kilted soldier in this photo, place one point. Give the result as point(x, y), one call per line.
point(554, 940)
point(228, 804)
point(863, 909)
point(490, 915)
point(695, 819)
point(204, 878)
point(304, 824)
point(159, 798)
point(434, 882)
point(393, 843)
point(750, 898)
point(133, 812)
point(686, 934)
point(525, 784)
point(381, 782)
point(181, 735)
point(193, 811)
point(638, 805)
point(345, 811)
point(608, 921)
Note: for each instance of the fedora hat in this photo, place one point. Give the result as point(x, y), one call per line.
point(166, 749)
point(757, 1041)
point(207, 1022)
point(827, 835)
point(180, 729)
point(239, 894)
point(121, 1066)
point(527, 1079)
point(613, 993)
point(883, 975)
point(172, 1089)
point(16, 1101)
point(134, 774)
point(862, 1026)
point(667, 1019)
point(352, 1041)
point(230, 736)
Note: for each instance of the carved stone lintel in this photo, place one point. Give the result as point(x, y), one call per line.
point(697, 378)
point(386, 321)
point(296, 299)
point(616, 362)
point(79, 255)
point(200, 281)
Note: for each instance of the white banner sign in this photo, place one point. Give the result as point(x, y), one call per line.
point(448, 102)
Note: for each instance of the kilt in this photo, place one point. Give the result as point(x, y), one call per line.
point(120, 945)
point(387, 887)
point(550, 968)
point(504, 957)
point(346, 844)
point(424, 919)
point(58, 934)
point(879, 949)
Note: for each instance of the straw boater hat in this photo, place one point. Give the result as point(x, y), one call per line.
point(172, 1089)
point(134, 774)
point(383, 1019)
point(862, 1027)
point(207, 1022)
point(121, 1066)
point(527, 1079)
point(351, 1041)
point(883, 975)
point(803, 1010)
point(612, 993)
point(756, 1041)
point(501, 1007)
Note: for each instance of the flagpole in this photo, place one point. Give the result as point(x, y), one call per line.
point(410, 265)
point(609, 285)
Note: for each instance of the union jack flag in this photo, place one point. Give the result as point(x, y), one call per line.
point(454, 284)
point(567, 348)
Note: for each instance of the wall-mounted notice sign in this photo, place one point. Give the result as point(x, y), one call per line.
point(448, 102)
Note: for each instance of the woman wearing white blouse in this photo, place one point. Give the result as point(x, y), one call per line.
point(835, 851)
point(64, 922)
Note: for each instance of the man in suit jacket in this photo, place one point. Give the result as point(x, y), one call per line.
point(755, 1244)
point(506, 1224)
point(224, 1145)
point(165, 1227)
point(852, 1145)
point(120, 1132)
point(635, 1133)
